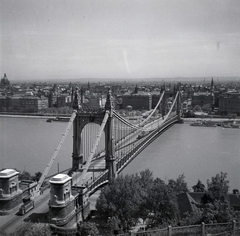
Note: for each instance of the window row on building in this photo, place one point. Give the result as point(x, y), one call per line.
point(24, 103)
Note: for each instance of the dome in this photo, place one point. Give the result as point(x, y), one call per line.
point(129, 108)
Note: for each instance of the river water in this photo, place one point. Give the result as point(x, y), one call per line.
point(197, 152)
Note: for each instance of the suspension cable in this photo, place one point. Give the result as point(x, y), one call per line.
point(166, 117)
point(152, 112)
point(141, 123)
point(49, 165)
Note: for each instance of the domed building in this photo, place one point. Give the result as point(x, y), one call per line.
point(138, 100)
point(4, 81)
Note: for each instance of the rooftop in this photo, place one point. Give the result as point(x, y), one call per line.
point(60, 179)
point(7, 173)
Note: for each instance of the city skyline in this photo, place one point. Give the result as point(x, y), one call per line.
point(44, 40)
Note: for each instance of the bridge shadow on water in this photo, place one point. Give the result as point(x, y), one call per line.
point(37, 218)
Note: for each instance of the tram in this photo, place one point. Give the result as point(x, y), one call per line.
point(27, 205)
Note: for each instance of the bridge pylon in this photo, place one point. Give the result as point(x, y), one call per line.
point(179, 104)
point(94, 115)
point(109, 141)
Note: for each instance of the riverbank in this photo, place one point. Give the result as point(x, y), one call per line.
point(34, 115)
point(191, 120)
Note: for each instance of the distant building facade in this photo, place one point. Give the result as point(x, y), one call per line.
point(138, 100)
point(23, 103)
point(229, 103)
point(202, 98)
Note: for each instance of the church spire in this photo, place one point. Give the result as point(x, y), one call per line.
point(75, 102)
point(212, 85)
point(108, 104)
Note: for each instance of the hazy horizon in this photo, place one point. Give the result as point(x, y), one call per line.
point(132, 80)
point(51, 40)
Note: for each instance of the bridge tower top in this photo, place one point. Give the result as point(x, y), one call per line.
point(75, 101)
point(92, 114)
point(109, 103)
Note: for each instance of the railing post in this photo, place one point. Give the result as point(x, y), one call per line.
point(233, 225)
point(169, 230)
point(203, 228)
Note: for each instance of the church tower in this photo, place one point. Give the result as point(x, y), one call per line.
point(212, 93)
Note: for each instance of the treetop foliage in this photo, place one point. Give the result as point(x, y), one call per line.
point(140, 196)
point(137, 196)
point(32, 229)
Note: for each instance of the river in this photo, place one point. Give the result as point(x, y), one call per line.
point(197, 152)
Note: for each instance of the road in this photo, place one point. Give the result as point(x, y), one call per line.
point(9, 223)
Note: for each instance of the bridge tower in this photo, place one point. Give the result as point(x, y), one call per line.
point(163, 103)
point(87, 115)
point(179, 103)
point(167, 95)
point(109, 140)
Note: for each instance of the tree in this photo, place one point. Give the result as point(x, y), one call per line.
point(216, 202)
point(146, 182)
point(122, 203)
point(87, 229)
point(121, 199)
point(25, 176)
point(163, 201)
point(199, 187)
point(129, 198)
point(37, 176)
point(218, 187)
point(32, 229)
point(179, 185)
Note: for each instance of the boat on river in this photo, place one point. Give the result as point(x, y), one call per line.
point(204, 123)
point(231, 125)
point(63, 119)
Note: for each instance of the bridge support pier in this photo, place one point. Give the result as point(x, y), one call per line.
point(61, 204)
point(10, 194)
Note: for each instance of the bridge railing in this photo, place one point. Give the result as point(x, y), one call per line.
point(98, 182)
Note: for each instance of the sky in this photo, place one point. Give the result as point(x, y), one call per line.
point(69, 39)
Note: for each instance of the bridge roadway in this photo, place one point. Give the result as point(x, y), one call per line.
point(8, 223)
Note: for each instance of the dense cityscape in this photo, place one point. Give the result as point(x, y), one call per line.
point(205, 97)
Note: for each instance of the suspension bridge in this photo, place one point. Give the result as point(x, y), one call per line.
point(104, 143)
